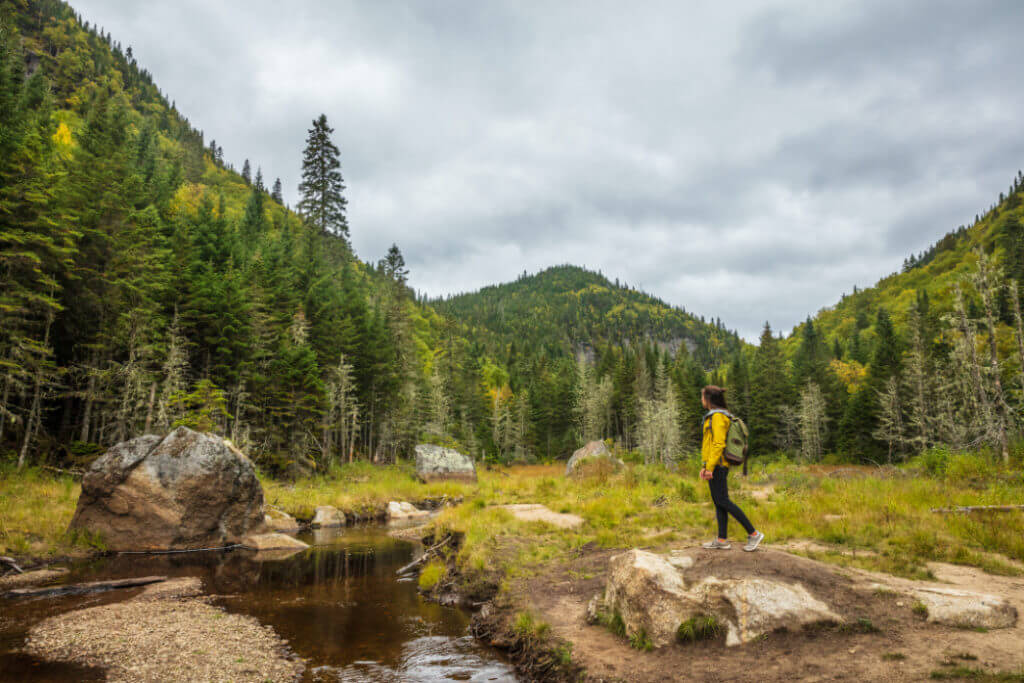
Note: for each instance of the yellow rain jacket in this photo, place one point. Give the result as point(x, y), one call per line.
point(712, 447)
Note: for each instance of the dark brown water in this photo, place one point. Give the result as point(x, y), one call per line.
point(339, 606)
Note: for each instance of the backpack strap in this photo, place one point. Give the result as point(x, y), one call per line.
point(707, 415)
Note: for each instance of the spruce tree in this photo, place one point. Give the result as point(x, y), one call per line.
point(769, 393)
point(275, 193)
point(393, 265)
point(247, 173)
point(323, 203)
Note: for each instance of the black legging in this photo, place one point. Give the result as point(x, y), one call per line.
point(719, 484)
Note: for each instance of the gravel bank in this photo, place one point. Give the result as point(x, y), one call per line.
point(166, 633)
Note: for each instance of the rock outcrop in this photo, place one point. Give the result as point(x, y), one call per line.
point(185, 490)
point(327, 516)
point(649, 593)
point(437, 463)
point(592, 452)
point(964, 609)
point(402, 510)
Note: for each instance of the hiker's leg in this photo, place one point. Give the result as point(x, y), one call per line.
point(726, 503)
point(719, 496)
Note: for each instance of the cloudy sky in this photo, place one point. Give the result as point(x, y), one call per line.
point(748, 160)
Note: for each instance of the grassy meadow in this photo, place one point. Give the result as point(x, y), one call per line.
point(874, 518)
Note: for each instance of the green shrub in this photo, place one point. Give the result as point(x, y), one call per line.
point(699, 627)
point(640, 641)
point(933, 461)
point(687, 492)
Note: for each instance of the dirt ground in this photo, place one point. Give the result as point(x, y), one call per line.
point(883, 639)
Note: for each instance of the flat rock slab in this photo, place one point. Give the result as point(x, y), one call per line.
point(274, 541)
point(532, 512)
point(965, 609)
point(164, 635)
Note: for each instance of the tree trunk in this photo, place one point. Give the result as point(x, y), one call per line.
point(33, 413)
point(149, 408)
point(87, 411)
point(3, 407)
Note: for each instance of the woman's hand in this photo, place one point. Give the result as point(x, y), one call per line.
point(705, 475)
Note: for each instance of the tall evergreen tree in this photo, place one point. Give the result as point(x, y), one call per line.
point(769, 394)
point(322, 188)
point(247, 172)
point(275, 192)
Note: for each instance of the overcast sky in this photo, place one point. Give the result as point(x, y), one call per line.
point(748, 160)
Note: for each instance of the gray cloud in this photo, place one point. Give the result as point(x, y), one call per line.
point(750, 161)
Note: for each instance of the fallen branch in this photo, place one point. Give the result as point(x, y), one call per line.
point(73, 473)
point(425, 556)
point(10, 562)
point(963, 509)
point(80, 588)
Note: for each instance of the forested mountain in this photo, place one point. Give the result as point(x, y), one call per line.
point(933, 355)
point(146, 283)
point(567, 308)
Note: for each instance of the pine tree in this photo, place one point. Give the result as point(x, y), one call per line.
point(769, 394)
point(393, 265)
point(275, 193)
point(323, 203)
point(247, 173)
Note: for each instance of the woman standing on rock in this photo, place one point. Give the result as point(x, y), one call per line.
point(715, 470)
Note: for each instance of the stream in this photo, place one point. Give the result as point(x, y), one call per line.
point(339, 605)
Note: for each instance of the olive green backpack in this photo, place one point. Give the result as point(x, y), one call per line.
point(735, 452)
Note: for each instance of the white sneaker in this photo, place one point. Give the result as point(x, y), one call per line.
point(753, 542)
point(717, 545)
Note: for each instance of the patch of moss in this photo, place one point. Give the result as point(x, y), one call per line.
point(431, 575)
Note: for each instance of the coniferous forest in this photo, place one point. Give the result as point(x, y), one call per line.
point(146, 283)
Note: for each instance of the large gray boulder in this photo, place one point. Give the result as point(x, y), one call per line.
point(437, 463)
point(593, 451)
point(650, 594)
point(184, 490)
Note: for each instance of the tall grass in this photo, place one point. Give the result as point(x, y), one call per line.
point(35, 510)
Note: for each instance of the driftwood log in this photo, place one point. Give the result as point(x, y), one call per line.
point(11, 563)
point(80, 588)
point(964, 509)
point(427, 554)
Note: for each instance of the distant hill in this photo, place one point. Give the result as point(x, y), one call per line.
point(930, 275)
point(567, 308)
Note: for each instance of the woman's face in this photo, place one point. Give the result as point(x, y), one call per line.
point(704, 401)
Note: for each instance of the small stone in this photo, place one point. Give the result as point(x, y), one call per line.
point(280, 521)
point(403, 510)
point(328, 516)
